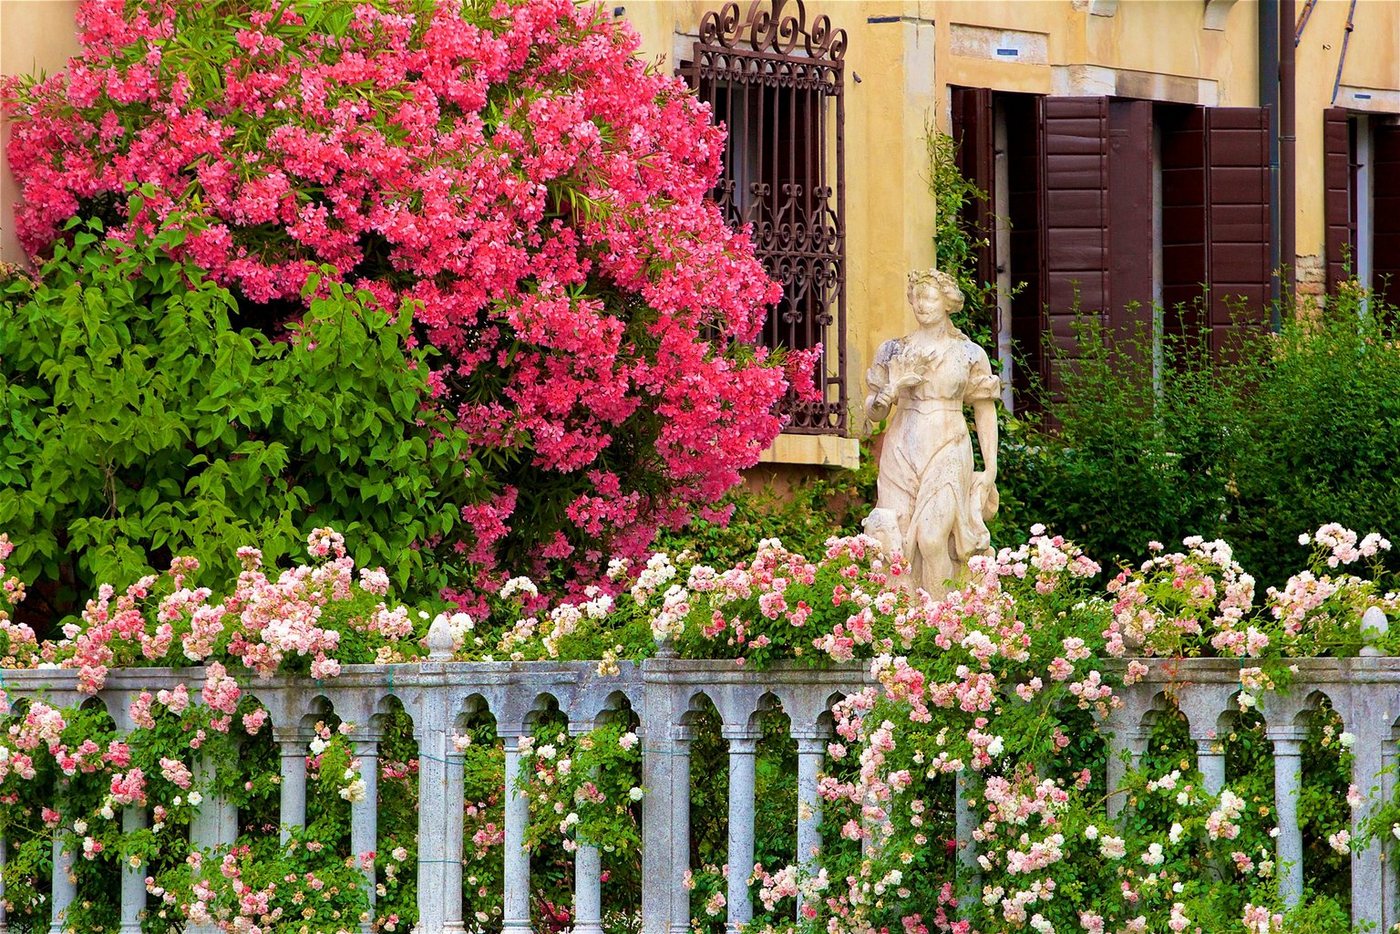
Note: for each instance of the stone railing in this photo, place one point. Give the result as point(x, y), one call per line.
point(665, 694)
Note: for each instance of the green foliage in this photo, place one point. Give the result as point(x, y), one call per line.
point(1302, 428)
point(955, 240)
point(811, 509)
point(137, 422)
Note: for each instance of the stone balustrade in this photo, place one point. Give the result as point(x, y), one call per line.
point(666, 694)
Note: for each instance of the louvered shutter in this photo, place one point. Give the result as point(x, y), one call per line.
point(1337, 198)
point(1385, 212)
point(1183, 220)
point(1237, 220)
point(1074, 232)
point(974, 130)
point(1128, 211)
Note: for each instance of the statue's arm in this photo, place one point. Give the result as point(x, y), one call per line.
point(881, 396)
point(984, 413)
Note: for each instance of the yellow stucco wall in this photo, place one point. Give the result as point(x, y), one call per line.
point(35, 36)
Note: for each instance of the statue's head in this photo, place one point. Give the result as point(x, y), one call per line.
point(932, 292)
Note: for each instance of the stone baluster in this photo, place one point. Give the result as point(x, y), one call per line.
point(291, 744)
point(1288, 781)
point(811, 756)
point(65, 883)
point(660, 877)
point(1368, 876)
point(517, 819)
point(588, 876)
point(431, 734)
point(454, 828)
point(1210, 759)
point(4, 857)
point(133, 897)
point(966, 785)
point(214, 825)
point(364, 815)
point(679, 844)
point(1134, 743)
point(743, 749)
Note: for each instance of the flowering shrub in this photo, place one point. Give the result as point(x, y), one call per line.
point(512, 169)
point(138, 420)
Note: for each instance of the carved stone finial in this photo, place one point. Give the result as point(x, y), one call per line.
point(1374, 627)
point(441, 645)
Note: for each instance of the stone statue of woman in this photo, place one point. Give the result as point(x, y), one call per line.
point(931, 504)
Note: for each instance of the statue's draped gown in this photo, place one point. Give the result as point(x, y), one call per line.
point(926, 462)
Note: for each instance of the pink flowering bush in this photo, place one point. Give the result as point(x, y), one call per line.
point(511, 169)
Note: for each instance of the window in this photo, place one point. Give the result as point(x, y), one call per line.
point(1115, 207)
point(1362, 202)
point(776, 83)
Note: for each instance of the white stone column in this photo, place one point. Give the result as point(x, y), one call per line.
point(516, 917)
point(588, 878)
point(1134, 743)
point(4, 856)
point(133, 902)
point(680, 830)
point(1368, 876)
point(1288, 782)
point(811, 756)
point(1210, 759)
point(65, 884)
point(431, 733)
point(454, 828)
point(215, 822)
point(291, 745)
point(364, 816)
point(966, 784)
point(743, 749)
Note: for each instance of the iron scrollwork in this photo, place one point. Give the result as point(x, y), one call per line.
point(776, 82)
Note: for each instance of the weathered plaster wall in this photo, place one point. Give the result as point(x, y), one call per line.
point(35, 36)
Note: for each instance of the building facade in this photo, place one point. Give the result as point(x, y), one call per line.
point(1170, 164)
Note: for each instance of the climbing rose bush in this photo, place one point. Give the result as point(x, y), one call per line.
point(1001, 686)
point(511, 168)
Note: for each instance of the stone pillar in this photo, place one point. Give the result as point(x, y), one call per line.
point(811, 756)
point(966, 784)
point(364, 816)
point(1210, 759)
point(679, 851)
point(291, 743)
point(4, 856)
point(588, 877)
point(65, 884)
point(743, 749)
point(455, 799)
point(1368, 875)
point(1288, 781)
point(133, 877)
point(588, 892)
point(215, 822)
point(431, 733)
point(1132, 743)
point(214, 825)
point(516, 918)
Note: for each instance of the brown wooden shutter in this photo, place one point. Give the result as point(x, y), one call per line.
point(1237, 220)
point(1183, 219)
point(1385, 212)
point(1128, 213)
point(974, 130)
point(1337, 197)
point(1074, 235)
point(1023, 208)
